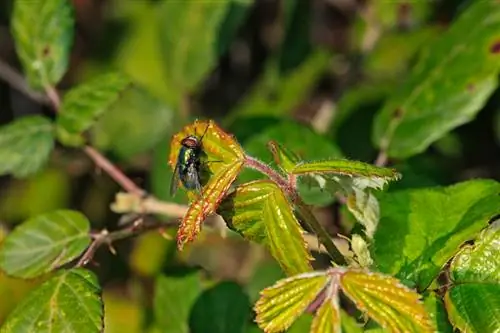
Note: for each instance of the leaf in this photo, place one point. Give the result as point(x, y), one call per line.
point(84, 104)
point(224, 308)
point(354, 179)
point(441, 94)
point(436, 310)
point(261, 213)
point(428, 225)
point(173, 299)
point(283, 157)
point(387, 301)
point(68, 302)
point(227, 157)
point(135, 124)
point(43, 35)
point(277, 96)
point(327, 318)
point(473, 301)
point(45, 242)
point(190, 58)
point(235, 15)
point(281, 304)
point(25, 145)
point(299, 141)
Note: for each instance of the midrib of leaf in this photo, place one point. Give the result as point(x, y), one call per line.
point(77, 296)
point(53, 301)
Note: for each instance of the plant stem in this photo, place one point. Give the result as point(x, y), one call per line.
point(302, 209)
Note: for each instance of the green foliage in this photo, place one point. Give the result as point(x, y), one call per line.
point(25, 145)
point(44, 243)
point(473, 301)
point(260, 211)
point(43, 33)
point(67, 302)
point(174, 298)
point(84, 104)
point(223, 308)
point(450, 83)
point(428, 225)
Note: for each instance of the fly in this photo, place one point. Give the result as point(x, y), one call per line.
point(187, 168)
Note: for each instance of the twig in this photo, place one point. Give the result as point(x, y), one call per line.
point(17, 81)
point(381, 159)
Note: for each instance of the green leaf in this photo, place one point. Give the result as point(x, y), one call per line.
point(235, 15)
point(355, 180)
point(174, 296)
point(84, 104)
point(327, 318)
point(134, 124)
point(281, 304)
point(473, 302)
point(261, 213)
point(25, 145)
point(435, 307)
point(299, 141)
point(224, 308)
point(43, 34)
point(266, 273)
point(428, 225)
point(277, 96)
point(68, 302)
point(387, 301)
point(189, 32)
point(441, 93)
point(45, 242)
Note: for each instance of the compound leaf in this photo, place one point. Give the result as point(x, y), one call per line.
point(428, 225)
point(43, 34)
point(25, 145)
point(82, 105)
point(68, 302)
point(261, 212)
point(387, 301)
point(281, 304)
point(44, 243)
point(473, 302)
point(440, 92)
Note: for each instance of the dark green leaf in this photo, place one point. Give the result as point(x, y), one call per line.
point(84, 104)
point(236, 14)
point(173, 299)
point(473, 302)
point(188, 36)
point(428, 225)
point(68, 302)
point(25, 145)
point(45, 242)
point(43, 33)
point(447, 87)
point(224, 308)
point(134, 124)
point(435, 307)
point(261, 213)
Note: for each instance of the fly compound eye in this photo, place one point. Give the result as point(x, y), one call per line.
point(190, 142)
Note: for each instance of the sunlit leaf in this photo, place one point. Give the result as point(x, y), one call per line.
point(473, 301)
point(173, 299)
point(45, 242)
point(25, 145)
point(428, 226)
point(441, 93)
point(327, 318)
point(82, 105)
point(281, 304)
point(283, 157)
point(387, 301)
point(68, 302)
point(346, 168)
point(224, 308)
point(43, 34)
point(261, 212)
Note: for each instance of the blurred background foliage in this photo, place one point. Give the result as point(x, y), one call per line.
point(308, 74)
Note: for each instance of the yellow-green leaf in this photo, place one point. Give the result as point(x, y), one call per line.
point(346, 168)
point(327, 318)
point(281, 304)
point(82, 105)
point(261, 212)
point(43, 34)
point(387, 301)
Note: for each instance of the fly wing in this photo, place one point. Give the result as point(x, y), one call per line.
point(174, 182)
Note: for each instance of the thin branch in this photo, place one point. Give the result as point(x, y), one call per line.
point(17, 81)
point(381, 159)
